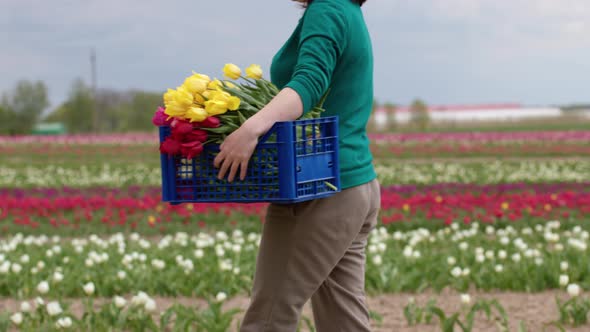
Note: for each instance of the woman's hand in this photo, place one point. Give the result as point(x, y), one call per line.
point(237, 148)
point(235, 152)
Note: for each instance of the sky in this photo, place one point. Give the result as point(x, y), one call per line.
point(534, 52)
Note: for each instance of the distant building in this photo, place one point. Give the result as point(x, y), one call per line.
point(469, 113)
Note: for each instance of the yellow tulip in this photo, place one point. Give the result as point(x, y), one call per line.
point(219, 95)
point(254, 71)
point(201, 76)
point(233, 103)
point(207, 94)
point(230, 85)
point(195, 84)
point(199, 99)
point(215, 107)
point(213, 85)
point(175, 109)
point(183, 96)
point(196, 114)
point(169, 96)
point(232, 71)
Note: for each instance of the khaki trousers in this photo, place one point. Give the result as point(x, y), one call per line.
point(314, 250)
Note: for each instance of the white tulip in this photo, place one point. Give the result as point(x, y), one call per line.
point(4, 267)
point(480, 258)
point(504, 240)
point(564, 280)
point(499, 268)
point(39, 301)
point(466, 271)
point(25, 307)
point(516, 257)
point(17, 318)
point(252, 237)
point(502, 254)
point(16, 268)
point(140, 299)
point(372, 248)
point(539, 261)
point(465, 298)
point(199, 253)
point(43, 287)
point(54, 308)
point(119, 301)
point(219, 251)
point(407, 251)
point(64, 322)
point(377, 260)
point(25, 259)
point(121, 275)
point(221, 296)
point(559, 247)
point(221, 236)
point(573, 290)
point(150, 305)
point(40, 265)
point(489, 254)
point(89, 288)
point(451, 260)
point(564, 266)
point(57, 276)
point(456, 272)
point(463, 246)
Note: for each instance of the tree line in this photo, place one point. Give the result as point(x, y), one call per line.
point(83, 111)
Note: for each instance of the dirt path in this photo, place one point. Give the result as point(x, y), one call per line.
point(534, 309)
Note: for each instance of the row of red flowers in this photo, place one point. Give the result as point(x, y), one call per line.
point(428, 205)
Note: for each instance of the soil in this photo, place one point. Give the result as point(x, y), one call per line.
point(537, 310)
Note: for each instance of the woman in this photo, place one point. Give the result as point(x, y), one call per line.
point(316, 249)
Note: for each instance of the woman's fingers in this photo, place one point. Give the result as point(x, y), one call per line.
point(223, 169)
point(219, 159)
point(243, 169)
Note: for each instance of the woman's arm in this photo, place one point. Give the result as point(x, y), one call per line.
point(237, 148)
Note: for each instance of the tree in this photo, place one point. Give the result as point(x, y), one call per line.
point(22, 108)
point(7, 118)
point(419, 115)
point(76, 112)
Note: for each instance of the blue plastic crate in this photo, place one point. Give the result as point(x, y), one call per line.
point(295, 161)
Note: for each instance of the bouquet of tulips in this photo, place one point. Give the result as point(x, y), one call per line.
point(203, 111)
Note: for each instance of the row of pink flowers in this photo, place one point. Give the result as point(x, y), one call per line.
point(483, 137)
point(475, 137)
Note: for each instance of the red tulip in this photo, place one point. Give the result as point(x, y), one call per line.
point(170, 146)
point(160, 118)
point(210, 122)
point(181, 127)
point(191, 149)
point(195, 135)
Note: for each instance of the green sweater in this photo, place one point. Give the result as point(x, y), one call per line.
point(331, 48)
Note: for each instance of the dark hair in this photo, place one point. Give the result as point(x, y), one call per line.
point(307, 2)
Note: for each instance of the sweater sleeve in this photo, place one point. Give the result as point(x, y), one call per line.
point(322, 41)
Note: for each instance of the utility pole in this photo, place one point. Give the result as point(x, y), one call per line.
point(93, 77)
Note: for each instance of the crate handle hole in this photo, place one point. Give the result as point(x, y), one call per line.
point(298, 168)
point(330, 164)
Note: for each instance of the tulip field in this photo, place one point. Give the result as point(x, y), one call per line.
point(478, 232)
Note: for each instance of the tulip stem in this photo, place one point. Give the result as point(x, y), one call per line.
point(331, 186)
point(248, 80)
